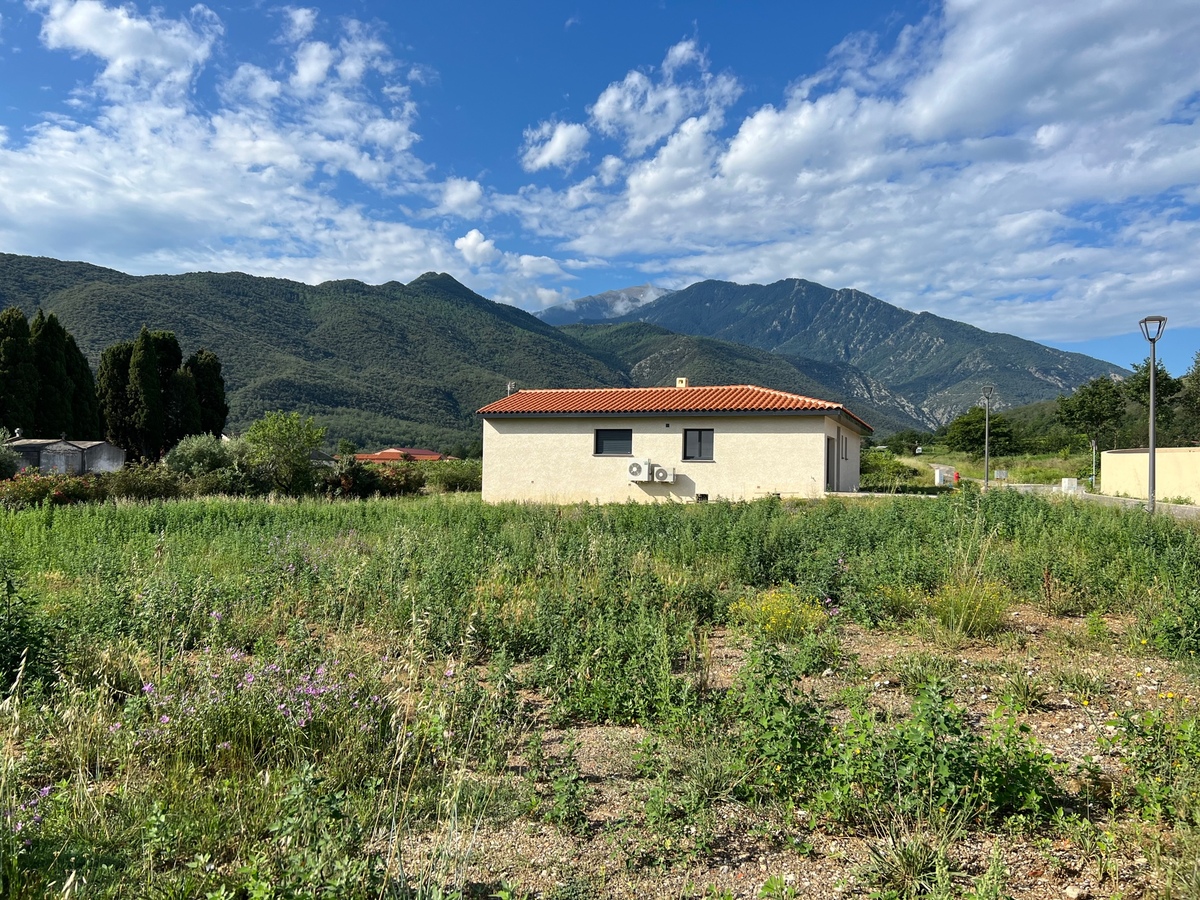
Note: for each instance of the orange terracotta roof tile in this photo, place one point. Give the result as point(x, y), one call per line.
point(734, 398)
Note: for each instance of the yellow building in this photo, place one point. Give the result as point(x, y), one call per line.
point(611, 445)
point(1126, 473)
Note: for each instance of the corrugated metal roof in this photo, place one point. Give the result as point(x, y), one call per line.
point(734, 398)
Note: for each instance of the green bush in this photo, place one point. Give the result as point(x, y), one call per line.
point(454, 475)
point(11, 461)
point(149, 482)
point(26, 490)
point(881, 471)
point(198, 454)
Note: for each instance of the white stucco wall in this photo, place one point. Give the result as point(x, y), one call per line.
point(1176, 473)
point(552, 459)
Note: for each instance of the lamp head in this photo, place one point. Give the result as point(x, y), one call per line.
point(987, 390)
point(1153, 327)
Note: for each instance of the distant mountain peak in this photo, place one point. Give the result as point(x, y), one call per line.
point(598, 307)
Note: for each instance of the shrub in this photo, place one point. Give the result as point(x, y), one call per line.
point(454, 475)
point(880, 471)
point(933, 763)
point(400, 479)
point(783, 613)
point(198, 454)
point(10, 461)
point(151, 482)
point(970, 608)
point(26, 490)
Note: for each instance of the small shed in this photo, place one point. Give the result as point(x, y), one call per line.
point(65, 457)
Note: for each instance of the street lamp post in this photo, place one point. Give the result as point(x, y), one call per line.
point(1152, 329)
point(987, 428)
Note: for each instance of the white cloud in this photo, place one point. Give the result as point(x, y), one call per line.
point(643, 112)
point(1023, 166)
point(531, 266)
point(558, 144)
point(312, 65)
point(151, 49)
point(461, 196)
point(475, 249)
point(146, 180)
point(1005, 163)
point(300, 23)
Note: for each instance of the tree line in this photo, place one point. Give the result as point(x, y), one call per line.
point(144, 398)
point(1113, 413)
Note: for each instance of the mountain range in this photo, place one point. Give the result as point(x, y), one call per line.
point(407, 364)
point(918, 366)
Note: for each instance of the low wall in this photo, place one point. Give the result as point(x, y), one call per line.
point(1176, 473)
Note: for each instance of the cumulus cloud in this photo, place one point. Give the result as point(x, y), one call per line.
point(1003, 163)
point(461, 196)
point(1009, 163)
point(476, 249)
point(300, 23)
point(557, 144)
point(642, 111)
point(152, 50)
point(145, 179)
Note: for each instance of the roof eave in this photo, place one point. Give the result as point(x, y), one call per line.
point(841, 414)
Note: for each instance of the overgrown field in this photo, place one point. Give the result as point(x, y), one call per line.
point(967, 695)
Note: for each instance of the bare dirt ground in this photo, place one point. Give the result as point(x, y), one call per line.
point(741, 847)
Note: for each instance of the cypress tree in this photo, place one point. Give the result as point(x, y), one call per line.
point(183, 413)
point(112, 388)
point(85, 406)
point(145, 398)
point(210, 391)
point(18, 375)
point(53, 416)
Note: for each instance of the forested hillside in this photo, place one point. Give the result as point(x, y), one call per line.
point(387, 364)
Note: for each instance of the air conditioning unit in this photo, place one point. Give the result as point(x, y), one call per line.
point(641, 470)
point(664, 476)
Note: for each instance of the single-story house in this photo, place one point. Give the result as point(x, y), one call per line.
point(67, 457)
point(400, 454)
point(686, 443)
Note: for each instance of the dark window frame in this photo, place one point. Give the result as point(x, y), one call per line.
point(700, 448)
point(622, 435)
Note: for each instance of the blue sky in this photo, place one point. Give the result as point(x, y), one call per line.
point(1026, 167)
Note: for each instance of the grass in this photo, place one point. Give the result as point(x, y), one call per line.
point(238, 698)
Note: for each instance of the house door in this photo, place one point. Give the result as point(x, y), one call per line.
point(830, 465)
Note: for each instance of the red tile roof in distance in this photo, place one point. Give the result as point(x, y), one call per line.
point(732, 398)
point(397, 454)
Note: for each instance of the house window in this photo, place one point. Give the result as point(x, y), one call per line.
point(697, 443)
point(614, 441)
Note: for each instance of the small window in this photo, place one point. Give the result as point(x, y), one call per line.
point(697, 443)
point(614, 441)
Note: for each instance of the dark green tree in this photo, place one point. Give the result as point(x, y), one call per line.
point(18, 375)
point(112, 389)
point(1137, 389)
point(1095, 410)
point(182, 410)
point(85, 406)
point(210, 390)
point(53, 416)
point(1187, 403)
point(966, 433)
point(145, 398)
